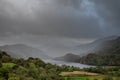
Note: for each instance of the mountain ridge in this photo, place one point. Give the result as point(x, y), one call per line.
point(108, 54)
point(23, 51)
point(93, 46)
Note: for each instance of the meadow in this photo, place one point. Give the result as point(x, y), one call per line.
point(82, 75)
point(91, 78)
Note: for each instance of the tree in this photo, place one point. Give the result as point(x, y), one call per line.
point(13, 78)
point(33, 71)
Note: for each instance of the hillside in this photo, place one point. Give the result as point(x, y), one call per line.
point(94, 46)
point(108, 54)
point(23, 51)
point(29, 69)
point(69, 58)
point(36, 69)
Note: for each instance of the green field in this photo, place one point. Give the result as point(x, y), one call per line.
point(91, 78)
point(82, 75)
point(8, 65)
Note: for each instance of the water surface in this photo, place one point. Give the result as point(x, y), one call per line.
point(66, 63)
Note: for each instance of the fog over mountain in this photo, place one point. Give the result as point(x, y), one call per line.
point(57, 26)
point(23, 51)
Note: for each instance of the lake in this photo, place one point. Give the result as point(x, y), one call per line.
point(66, 63)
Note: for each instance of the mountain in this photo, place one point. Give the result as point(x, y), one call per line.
point(93, 46)
point(106, 51)
point(69, 58)
point(23, 51)
point(108, 54)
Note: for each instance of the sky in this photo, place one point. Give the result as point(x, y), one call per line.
point(56, 26)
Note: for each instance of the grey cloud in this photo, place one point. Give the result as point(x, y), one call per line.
point(72, 3)
point(109, 10)
point(60, 18)
point(56, 26)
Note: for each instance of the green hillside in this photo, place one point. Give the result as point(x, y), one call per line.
point(30, 69)
point(109, 54)
point(36, 69)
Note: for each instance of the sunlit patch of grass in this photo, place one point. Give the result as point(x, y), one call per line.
point(91, 78)
point(8, 65)
point(82, 73)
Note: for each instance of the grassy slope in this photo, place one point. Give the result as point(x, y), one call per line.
point(8, 65)
point(82, 75)
point(79, 73)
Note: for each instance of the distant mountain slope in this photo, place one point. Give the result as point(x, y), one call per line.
point(94, 46)
point(108, 54)
point(69, 57)
point(23, 51)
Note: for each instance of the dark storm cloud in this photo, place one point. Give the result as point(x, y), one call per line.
point(109, 10)
point(67, 18)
